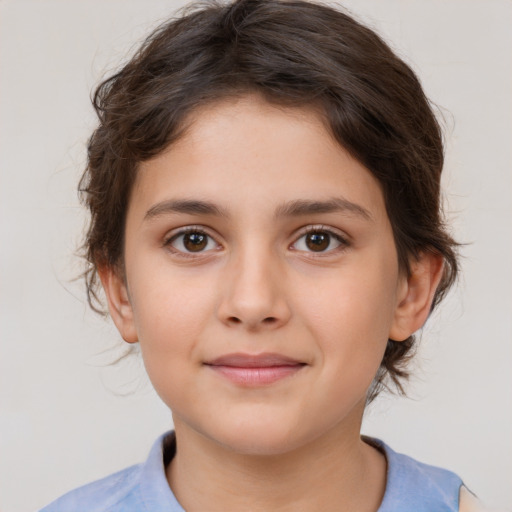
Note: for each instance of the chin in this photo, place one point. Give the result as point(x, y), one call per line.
point(259, 437)
point(263, 445)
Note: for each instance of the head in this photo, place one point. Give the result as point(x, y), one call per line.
point(295, 56)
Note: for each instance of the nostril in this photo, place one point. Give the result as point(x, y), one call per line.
point(270, 320)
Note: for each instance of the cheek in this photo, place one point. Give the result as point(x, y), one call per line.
point(170, 312)
point(352, 316)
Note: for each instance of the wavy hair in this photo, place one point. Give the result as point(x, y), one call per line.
point(293, 53)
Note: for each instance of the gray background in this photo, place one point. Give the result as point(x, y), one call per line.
point(63, 417)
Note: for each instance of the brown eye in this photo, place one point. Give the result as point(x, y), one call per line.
point(192, 242)
point(195, 242)
point(318, 242)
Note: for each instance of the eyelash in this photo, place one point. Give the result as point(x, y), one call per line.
point(185, 231)
point(320, 229)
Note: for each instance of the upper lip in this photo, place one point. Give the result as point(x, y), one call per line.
point(241, 360)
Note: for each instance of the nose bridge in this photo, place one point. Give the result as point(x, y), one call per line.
point(254, 294)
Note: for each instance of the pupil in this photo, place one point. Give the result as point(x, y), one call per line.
point(318, 241)
point(195, 242)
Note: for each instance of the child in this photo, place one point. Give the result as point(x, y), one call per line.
point(264, 193)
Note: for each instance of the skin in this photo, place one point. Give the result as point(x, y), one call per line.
point(260, 286)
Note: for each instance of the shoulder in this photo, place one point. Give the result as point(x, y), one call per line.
point(414, 485)
point(469, 502)
point(139, 488)
point(105, 495)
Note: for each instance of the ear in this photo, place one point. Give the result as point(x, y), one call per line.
point(119, 303)
point(415, 295)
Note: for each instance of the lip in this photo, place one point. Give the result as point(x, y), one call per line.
point(255, 370)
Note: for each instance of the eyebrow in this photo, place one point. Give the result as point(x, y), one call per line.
point(299, 207)
point(311, 207)
point(190, 206)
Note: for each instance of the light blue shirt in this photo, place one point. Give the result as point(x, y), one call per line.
point(411, 486)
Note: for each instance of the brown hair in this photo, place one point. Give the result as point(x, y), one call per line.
point(293, 53)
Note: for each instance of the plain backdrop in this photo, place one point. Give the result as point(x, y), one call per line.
point(66, 417)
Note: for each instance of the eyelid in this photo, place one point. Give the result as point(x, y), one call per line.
point(314, 228)
point(177, 232)
point(339, 235)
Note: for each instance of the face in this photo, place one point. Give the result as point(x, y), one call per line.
point(261, 278)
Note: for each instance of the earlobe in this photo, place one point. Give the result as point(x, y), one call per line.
point(415, 295)
point(119, 304)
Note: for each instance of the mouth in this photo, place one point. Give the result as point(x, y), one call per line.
point(255, 370)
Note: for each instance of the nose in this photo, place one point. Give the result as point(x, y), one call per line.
point(254, 292)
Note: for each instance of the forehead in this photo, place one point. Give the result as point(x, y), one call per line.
point(246, 152)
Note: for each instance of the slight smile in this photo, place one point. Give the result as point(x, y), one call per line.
point(255, 370)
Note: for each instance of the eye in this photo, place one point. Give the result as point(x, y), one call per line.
point(192, 241)
point(319, 240)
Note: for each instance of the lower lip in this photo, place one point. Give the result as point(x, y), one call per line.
point(253, 377)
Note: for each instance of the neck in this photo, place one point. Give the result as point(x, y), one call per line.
point(334, 472)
